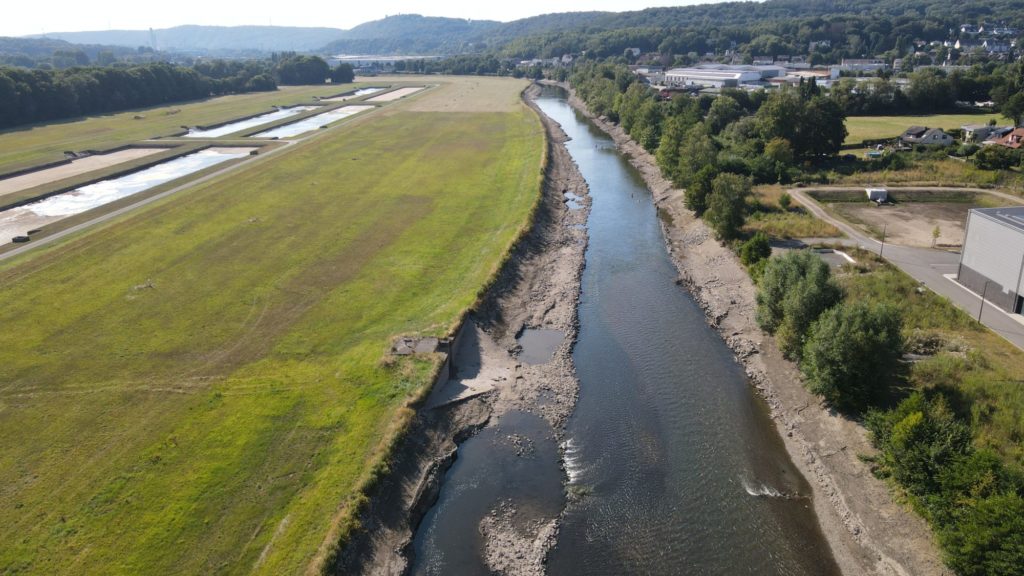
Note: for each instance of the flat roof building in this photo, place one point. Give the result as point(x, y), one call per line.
point(992, 260)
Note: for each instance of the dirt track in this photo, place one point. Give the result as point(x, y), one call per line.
point(869, 532)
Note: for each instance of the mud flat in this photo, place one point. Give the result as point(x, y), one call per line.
point(73, 168)
point(396, 94)
point(22, 219)
point(537, 288)
point(867, 531)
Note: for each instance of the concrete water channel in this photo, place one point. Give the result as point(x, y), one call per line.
point(673, 460)
point(21, 220)
point(313, 122)
point(232, 127)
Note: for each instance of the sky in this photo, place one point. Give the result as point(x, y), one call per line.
point(24, 18)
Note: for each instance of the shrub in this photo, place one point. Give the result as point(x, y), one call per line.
point(995, 157)
point(967, 149)
point(782, 277)
point(988, 537)
point(851, 352)
point(699, 189)
point(756, 249)
point(785, 201)
point(727, 205)
point(970, 497)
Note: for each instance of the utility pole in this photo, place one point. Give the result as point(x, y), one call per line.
point(882, 249)
point(983, 292)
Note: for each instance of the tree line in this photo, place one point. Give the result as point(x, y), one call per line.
point(28, 96)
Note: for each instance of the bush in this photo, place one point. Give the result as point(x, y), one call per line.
point(971, 499)
point(996, 157)
point(851, 352)
point(756, 249)
point(988, 537)
point(727, 205)
point(794, 290)
point(785, 201)
point(697, 192)
point(967, 149)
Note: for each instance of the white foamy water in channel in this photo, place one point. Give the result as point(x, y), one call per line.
point(312, 123)
point(232, 127)
point(18, 221)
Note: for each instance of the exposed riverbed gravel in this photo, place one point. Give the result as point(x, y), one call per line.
point(539, 287)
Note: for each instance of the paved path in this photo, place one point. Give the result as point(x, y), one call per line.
point(929, 267)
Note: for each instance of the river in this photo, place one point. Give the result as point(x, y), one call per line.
point(680, 466)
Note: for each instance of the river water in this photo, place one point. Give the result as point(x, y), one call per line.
point(680, 467)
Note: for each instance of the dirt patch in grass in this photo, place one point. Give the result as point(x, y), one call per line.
point(910, 224)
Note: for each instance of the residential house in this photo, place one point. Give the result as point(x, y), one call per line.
point(996, 134)
point(924, 136)
point(976, 132)
point(1014, 139)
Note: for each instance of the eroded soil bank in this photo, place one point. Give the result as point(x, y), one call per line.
point(538, 288)
point(868, 532)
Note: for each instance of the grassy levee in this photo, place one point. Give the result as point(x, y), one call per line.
point(860, 128)
point(27, 146)
point(198, 387)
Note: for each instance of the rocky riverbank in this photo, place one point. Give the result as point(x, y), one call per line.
point(538, 287)
point(868, 532)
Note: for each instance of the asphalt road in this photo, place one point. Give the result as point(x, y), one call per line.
point(929, 267)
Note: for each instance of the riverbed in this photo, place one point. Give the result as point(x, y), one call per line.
point(672, 462)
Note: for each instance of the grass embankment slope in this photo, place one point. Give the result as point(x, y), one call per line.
point(198, 388)
point(32, 145)
point(860, 128)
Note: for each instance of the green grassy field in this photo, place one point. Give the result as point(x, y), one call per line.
point(32, 145)
point(199, 388)
point(862, 128)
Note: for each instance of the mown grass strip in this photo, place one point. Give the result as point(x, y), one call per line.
point(198, 388)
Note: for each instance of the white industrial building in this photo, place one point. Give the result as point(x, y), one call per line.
point(678, 77)
point(716, 75)
point(992, 260)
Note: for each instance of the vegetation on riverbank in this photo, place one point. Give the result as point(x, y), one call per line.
point(199, 386)
point(849, 334)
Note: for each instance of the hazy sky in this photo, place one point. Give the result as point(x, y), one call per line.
point(29, 17)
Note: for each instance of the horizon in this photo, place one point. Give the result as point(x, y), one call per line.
point(122, 15)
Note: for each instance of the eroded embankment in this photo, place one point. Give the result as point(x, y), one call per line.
point(867, 531)
point(537, 287)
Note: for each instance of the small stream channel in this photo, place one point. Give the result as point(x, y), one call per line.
point(681, 468)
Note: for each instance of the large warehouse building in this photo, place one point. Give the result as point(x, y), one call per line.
point(992, 261)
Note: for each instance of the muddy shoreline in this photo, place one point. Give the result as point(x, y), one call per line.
point(539, 287)
point(868, 532)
